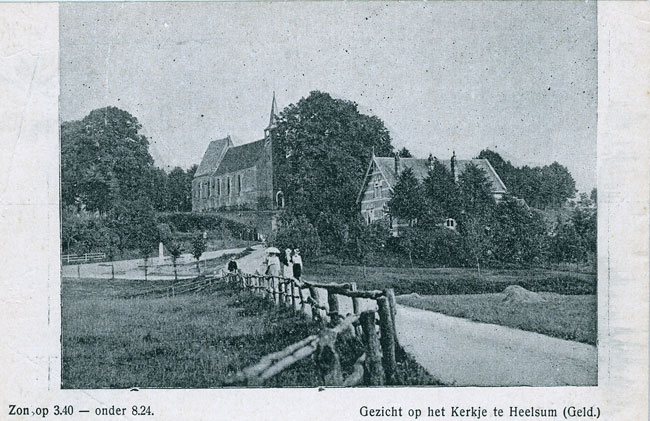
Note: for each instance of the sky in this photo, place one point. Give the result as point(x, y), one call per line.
point(516, 77)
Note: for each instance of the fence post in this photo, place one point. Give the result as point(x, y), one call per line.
point(355, 300)
point(328, 361)
point(387, 338)
point(390, 294)
point(374, 373)
point(293, 296)
point(333, 304)
point(301, 293)
point(276, 292)
point(315, 296)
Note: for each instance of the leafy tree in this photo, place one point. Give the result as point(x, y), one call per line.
point(104, 160)
point(175, 251)
point(542, 187)
point(198, 248)
point(518, 232)
point(441, 192)
point(475, 193)
point(404, 153)
point(322, 147)
point(295, 231)
point(406, 202)
point(179, 185)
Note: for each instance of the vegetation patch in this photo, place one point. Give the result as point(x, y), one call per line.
point(451, 281)
point(561, 316)
point(187, 341)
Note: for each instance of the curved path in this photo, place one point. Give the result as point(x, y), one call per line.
point(459, 352)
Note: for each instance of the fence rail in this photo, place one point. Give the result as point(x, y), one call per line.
point(83, 258)
point(374, 327)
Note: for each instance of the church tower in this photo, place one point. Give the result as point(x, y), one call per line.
point(272, 119)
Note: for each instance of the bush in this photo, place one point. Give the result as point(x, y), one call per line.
point(220, 227)
point(437, 246)
point(296, 232)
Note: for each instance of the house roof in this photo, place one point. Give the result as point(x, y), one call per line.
point(240, 157)
point(419, 167)
point(213, 156)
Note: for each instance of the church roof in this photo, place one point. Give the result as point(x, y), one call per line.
point(240, 157)
point(213, 156)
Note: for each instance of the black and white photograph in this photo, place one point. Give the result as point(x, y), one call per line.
point(307, 194)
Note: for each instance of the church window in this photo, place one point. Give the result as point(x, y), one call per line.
point(209, 188)
point(450, 223)
point(218, 187)
point(377, 189)
point(238, 183)
point(228, 187)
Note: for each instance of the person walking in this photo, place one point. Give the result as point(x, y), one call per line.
point(273, 262)
point(296, 259)
point(286, 263)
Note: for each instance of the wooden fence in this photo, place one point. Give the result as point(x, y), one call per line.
point(83, 258)
point(375, 327)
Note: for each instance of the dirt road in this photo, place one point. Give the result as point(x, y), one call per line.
point(460, 352)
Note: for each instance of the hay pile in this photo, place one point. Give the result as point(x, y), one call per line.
point(517, 294)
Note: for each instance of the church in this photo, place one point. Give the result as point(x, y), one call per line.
point(238, 177)
point(383, 173)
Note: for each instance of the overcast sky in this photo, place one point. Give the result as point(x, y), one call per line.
point(519, 78)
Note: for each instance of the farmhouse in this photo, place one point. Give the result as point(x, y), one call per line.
point(383, 173)
point(238, 177)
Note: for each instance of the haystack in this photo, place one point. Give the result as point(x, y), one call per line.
point(517, 294)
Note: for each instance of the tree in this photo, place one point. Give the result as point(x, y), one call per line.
point(104, 160)
point(179, 186)
point(322, 147)
point(406, 202)
point(475, 193)
point(542, 187)
point(295, 231)
point(441, 192)
point(198, 248)
point(175, 251)
point(518, 232)
point(404, 153)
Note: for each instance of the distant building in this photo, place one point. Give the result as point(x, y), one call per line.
point(383, 173)
point(238, 177)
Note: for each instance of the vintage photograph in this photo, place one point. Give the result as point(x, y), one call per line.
point(333, 194)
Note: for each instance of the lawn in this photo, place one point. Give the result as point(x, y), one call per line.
point(452, 281)
point(569, 312)
point(571, 317)
point(187, 341)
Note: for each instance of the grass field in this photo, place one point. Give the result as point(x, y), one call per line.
point(189, 341)
point(463, 293)
point(571, 317)
point(452, 281)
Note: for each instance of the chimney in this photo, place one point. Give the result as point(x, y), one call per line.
point(397, 164)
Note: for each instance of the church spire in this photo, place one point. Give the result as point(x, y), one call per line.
point(274, 113)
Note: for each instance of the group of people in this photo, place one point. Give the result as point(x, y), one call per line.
point(287, 264)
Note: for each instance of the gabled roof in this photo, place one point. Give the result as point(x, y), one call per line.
point(241, 157)
point(213, 156)
point(386, 166)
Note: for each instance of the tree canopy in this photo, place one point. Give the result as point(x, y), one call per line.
point(324, 146)
point(104, 159)
point(542, 187)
